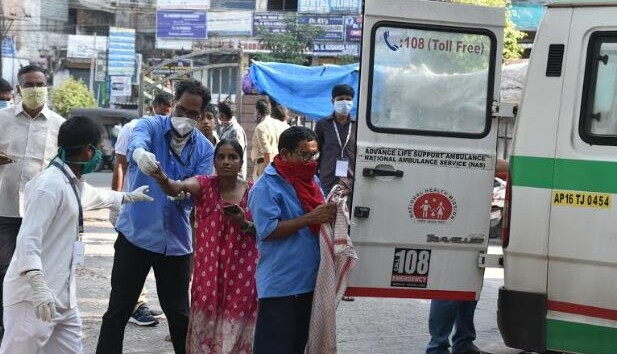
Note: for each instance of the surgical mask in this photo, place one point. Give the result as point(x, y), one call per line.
point(34, 97)
point(87, 166)
point(91, 165)
point(343, 107)
point(182, 125)
point(5, 104)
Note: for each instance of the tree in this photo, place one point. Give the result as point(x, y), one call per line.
point(511, 48)
point(72, 94)
point(288, 46)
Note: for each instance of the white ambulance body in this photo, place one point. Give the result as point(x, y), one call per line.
point(425, 148)
point(560, 250)
point(426, 152)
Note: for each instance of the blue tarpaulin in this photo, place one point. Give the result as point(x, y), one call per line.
point(306, 90)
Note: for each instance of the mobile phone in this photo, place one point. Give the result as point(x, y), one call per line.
point(231, 209)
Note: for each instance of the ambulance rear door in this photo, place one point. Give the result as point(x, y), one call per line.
point(426, 147)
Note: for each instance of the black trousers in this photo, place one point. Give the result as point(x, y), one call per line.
point(9, 228)
point(131, 266)
point(283, 324)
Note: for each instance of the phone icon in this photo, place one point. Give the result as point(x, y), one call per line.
point(393, 47)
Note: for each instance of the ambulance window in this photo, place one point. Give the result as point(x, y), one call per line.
point(431, 80)
point(598, 123)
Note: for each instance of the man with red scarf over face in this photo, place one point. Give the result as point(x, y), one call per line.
point(288, 208)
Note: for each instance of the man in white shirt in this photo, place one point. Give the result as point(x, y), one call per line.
point(27, 144)
point(265, 138)
point(40, 302)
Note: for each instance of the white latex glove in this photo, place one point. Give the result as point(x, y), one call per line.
point(138, 195)
point(146, 161)
point(113, 215)
point(42, 297)
point(181, 196)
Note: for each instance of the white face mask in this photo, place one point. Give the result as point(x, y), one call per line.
point(343, 107)
point(183, 125)
point(34, 97)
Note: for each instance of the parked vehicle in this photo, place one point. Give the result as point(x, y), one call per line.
point(426, 158)
point(109, 119)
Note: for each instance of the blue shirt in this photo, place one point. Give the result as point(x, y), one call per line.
point(286, 266)
point(162, 226)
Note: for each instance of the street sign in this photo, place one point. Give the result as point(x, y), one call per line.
point(120, 86)
point(121, 57)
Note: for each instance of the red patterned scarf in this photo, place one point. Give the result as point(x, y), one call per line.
point(301, 177)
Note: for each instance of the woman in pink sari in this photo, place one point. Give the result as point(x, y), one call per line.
point(223, 295)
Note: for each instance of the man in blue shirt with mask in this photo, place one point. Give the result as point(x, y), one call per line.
point(158, 236)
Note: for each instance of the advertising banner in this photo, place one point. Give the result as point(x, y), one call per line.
point(85, 47)
point(120, 86)
point(353, 28)
point(334, 49)
point(269, 21)
point(332, 26)
point(8, 47)
point(329, 6)
point(121, 53)
point(186, 24)
point(230, 23)
point(183, 4)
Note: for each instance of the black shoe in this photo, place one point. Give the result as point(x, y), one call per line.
point(142, 317)
point(158, 314)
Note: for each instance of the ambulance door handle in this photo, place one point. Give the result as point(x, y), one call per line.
point(373, 172)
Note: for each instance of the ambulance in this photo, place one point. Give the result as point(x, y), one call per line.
point(426, 156)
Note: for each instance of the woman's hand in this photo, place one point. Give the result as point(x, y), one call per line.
point(159, 175)
point(238, 218)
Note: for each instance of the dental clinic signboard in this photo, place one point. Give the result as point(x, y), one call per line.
point(329, 6)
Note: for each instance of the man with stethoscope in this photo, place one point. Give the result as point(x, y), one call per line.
point(337, 141)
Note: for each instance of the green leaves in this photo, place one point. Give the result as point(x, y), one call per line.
point(71, 94)
point(511, 48)
point(291, 45)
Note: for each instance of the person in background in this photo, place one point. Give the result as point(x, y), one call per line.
point(280, 113)
point(337, 141)
point(446, 315)
point(224, 302)
point(265, 138)
point(337, 144)
point(28, 141)
point(207, 124)
point(158, 235)
point(142, 315)
point(288, 209)
point(40, 301)
point(162, 103)
point(232, 130)
point(6, 94)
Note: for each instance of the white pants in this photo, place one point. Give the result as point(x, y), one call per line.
point(26, 334)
